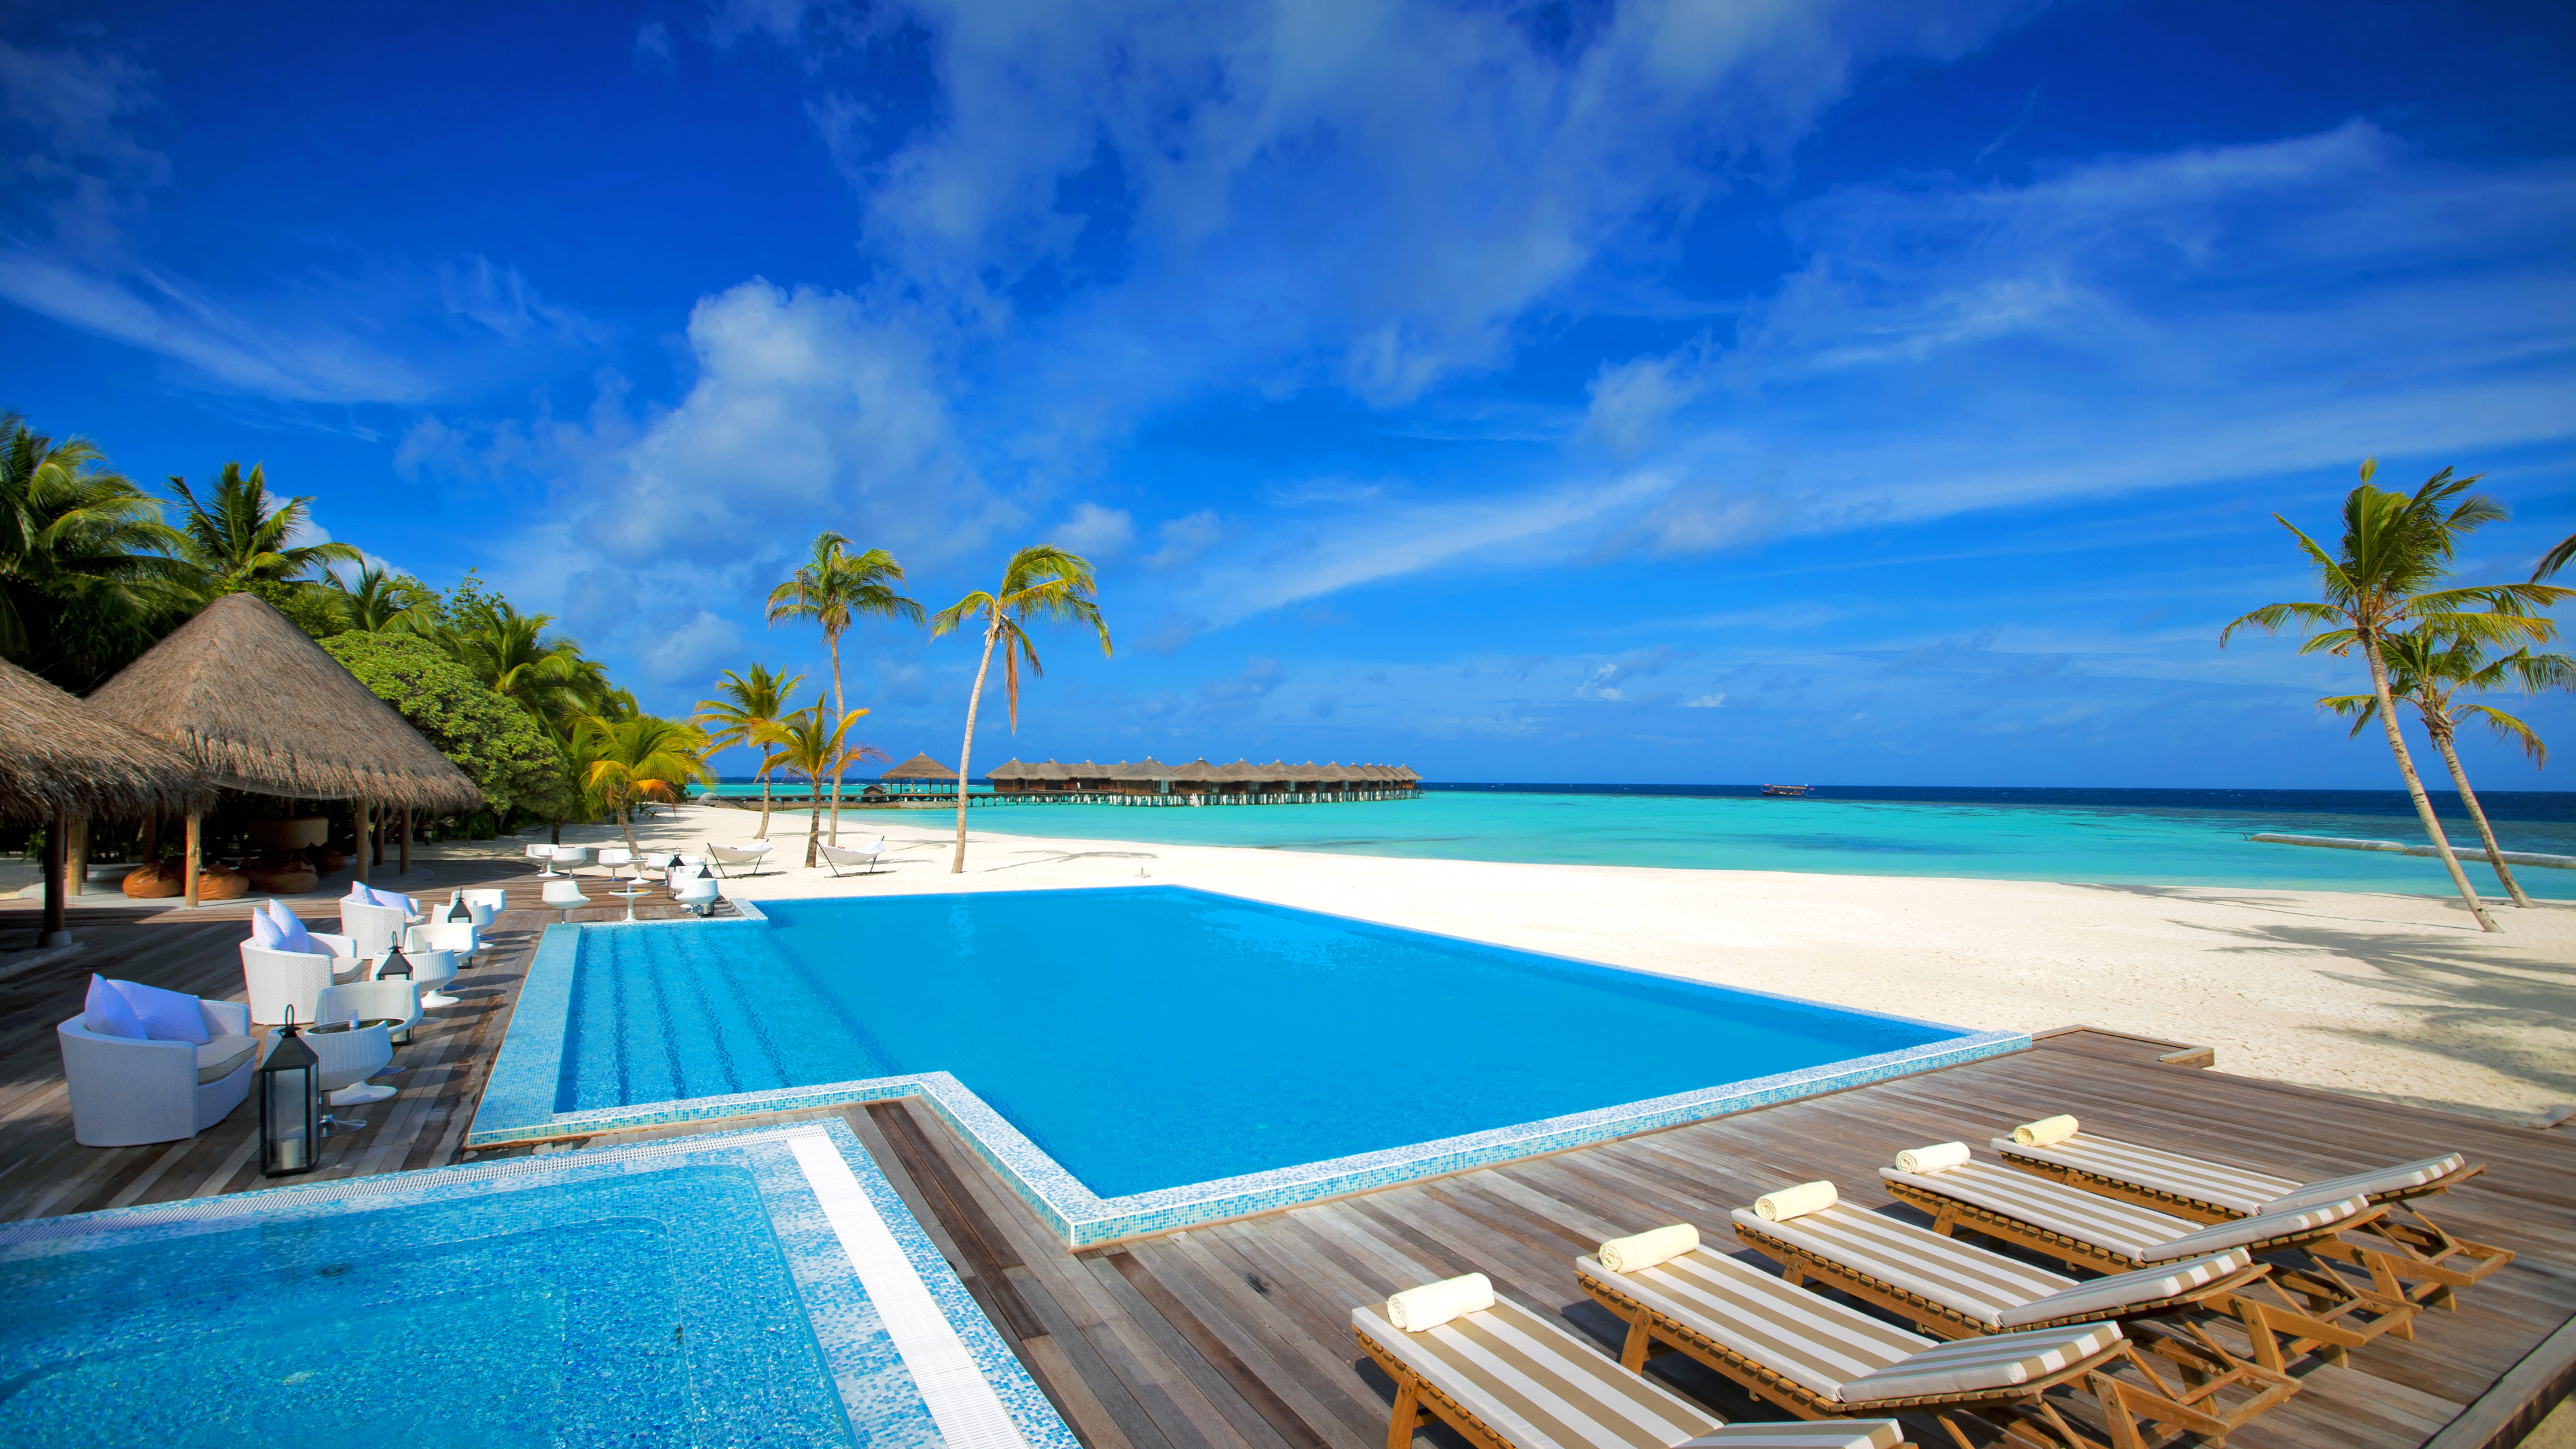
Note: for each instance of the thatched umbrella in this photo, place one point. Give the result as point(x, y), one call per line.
point(62, 761)
point(919, 767)
point(260, 707)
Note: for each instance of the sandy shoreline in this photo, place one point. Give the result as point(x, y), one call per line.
point(2391, 996)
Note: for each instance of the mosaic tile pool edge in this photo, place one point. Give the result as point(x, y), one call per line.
point(1081, 1217)
point(803, 1235)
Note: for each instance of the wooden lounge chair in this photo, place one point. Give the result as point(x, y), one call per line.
point(1952, 1289)
point(2411, 1247)
point(1816, 1357)
point(2106, 1235)
point(1510, 1379)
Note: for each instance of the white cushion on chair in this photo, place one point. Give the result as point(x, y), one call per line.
point(217, 1056)
point(264, 932)
point(106, 1011)
point(290, 928)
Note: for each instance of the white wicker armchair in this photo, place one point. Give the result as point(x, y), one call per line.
point(127, 1091)
point(277, 980)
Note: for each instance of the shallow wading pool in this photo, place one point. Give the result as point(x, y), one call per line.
point(753, 1288)
point(1137, 1058)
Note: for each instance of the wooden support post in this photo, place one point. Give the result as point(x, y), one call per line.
point(405, 817)
point(55, 934)
point(358, 854)
point(375, 834)
point(76, 855)
point(196, 855)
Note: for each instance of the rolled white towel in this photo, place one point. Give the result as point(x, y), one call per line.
point(1434, 1304)
point(1640, 1251)
point(1791, 1202)
point(2045, 1131)
point(1933, 1158)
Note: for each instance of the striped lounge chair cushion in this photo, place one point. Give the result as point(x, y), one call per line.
point(1987, 1287)
point(2237, 1190)
point(1537, 1385)
point(1814, 1434)
point(1973, 1364)
point(2140, 1234)
point(1828, 1349)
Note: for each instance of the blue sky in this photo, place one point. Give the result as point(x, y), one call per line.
point(1689, 392)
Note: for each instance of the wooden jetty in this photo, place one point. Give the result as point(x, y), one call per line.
point(1236, 1336)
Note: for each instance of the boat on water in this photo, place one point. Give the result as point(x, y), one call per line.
point(1787, 790)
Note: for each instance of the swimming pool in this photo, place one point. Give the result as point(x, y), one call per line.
point(751, 1288)
point(1158, 1054)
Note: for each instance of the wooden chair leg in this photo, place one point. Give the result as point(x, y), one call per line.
point(1640, 1342)
point(1407, 1416)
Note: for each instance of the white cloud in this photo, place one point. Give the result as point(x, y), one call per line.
point(692, 652)
point(810, 409)
point(653, 45)
point(1185, 539)
point(1705, 701)
point(1096, 532)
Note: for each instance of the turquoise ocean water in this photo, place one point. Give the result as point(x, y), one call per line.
point(2119, 837)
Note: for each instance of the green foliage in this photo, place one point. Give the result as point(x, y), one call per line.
point(86, 582)
point(239, 533)
point(494, 741)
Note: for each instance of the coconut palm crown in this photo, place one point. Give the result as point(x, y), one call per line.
point(1042, 581)
point(642, 758)
point(86, 580)
point(239, 533)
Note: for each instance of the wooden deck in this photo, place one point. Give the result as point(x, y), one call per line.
point(1236, 1336)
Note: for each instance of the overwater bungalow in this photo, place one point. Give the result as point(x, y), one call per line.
point(920, 775)
point(1150, 782)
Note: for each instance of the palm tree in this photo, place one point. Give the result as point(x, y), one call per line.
point(86, 582)
point(1042, 582)
point(2556, 559)
point(547, 675)
point(241, 534)
point(2394, 546)
point(834, 590)
point(2429, 672)
point(375, 604)
point(644, 758)
point(752, 703)
point(804, 743)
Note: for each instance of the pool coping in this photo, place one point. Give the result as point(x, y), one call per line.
point(903, 1275)
point(517, 1106)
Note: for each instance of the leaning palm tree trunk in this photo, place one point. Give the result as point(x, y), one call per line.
point(2486, 832)
point(2415, 785)
point(763, 832)
point(973, 698)
point(814, 824)
point(833, 637)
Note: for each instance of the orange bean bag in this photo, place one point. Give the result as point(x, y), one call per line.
point(220, 883)
point(156, 882)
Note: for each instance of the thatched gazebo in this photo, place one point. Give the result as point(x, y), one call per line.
point(61, 761)
point(920, 775)
point(258, 706)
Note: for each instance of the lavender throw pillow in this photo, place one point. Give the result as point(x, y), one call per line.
point(107, 1012)
point(166, 1015)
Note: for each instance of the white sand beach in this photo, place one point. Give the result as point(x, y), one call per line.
point(2392, 996)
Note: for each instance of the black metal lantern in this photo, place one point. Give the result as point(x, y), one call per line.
point(397, 966)
point(456, 912)
point(289, 1085)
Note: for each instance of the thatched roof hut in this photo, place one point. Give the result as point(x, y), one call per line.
point(256, 705)
point(1010, 769)
point(59, 756)
point(919, 767)
point(1240, 770)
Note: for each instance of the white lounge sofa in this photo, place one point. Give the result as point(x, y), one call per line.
point(127, 1090)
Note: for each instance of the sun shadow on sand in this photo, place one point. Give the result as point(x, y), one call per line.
point(2507, 1015)
point(2454, 912)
